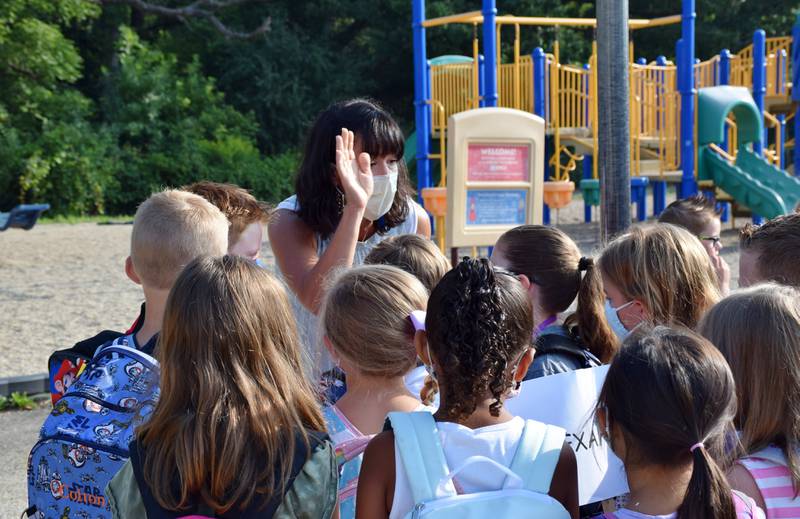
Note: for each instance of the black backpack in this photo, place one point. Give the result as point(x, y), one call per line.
point(565, 345)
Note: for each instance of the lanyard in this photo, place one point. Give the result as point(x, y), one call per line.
point(547, 322)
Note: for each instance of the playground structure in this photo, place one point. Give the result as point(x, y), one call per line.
point(672, 112)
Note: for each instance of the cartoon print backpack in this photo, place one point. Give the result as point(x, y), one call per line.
point(524, 492)
point(84, 441)
point(65, 366)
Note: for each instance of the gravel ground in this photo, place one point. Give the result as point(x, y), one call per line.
point(60, 283)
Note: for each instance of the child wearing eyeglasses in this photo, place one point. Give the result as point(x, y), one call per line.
point(700, 216)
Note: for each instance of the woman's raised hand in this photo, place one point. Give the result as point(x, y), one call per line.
point(354, 175)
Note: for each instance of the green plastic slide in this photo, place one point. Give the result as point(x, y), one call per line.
point(756, 186)
point(752, 181)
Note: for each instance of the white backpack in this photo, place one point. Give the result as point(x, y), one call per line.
point(524, 492)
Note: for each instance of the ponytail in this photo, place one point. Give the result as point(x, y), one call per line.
point(590, 314)
point(708, 493)
point(478, 322)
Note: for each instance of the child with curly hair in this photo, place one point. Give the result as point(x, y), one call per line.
point(476, 343)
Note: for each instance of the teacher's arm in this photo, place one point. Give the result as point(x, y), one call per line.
point(423, 223)
point(295, 248)
point(294, 243)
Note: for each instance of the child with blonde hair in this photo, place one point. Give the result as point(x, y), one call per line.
point(656, 273)
point(237, 431)
point(665, 409)
point(758, 332)
point(368, 327)
point(413, 253)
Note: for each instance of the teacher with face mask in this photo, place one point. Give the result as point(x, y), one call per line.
point(352, 192)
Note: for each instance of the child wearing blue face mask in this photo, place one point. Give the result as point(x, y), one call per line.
point(656, 273)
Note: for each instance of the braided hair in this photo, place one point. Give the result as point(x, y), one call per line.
point(479, 323)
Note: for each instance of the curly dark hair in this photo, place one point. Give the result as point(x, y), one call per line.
point(479, 322)
point(315, 186)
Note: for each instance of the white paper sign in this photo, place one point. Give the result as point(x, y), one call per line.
point(568, 400)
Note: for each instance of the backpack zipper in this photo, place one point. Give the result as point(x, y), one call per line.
point(88, 396)
point(88, 443)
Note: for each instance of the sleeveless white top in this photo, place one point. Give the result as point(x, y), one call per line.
point(317, 358)
point(498, 442)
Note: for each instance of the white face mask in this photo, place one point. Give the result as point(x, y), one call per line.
point(383, 190)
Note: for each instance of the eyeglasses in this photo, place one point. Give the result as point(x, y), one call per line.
point(715, 240)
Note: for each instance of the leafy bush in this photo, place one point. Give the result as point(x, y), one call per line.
point(173, 127)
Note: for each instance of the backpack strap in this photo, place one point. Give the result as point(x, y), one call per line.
point(565, 345)
point(537, 455)
point(417, 439)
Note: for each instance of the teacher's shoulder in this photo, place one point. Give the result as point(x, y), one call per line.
point(286, 229)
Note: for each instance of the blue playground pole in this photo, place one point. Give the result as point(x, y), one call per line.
point(759, 91)
point(421, 109)
point(490, 52)
point(781, 140)
point(759, 80)
point(481, 86)
point(796, 91)
point(588, 160)
point(538, 59)
point(659, 186)
point(688, 185)
point(537, 56)
point(724, 78)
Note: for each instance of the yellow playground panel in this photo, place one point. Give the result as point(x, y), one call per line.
point(570, 100)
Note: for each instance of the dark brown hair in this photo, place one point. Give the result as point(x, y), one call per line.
point(549, 258)
point(693, 213)
point(777, 244)
point(414, 254)
point(479, 323)
point(233, 394)
point(667, 390)
point(378, 134)
point(236, 203)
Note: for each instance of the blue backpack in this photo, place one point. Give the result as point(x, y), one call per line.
point(524, 492)
point(84, 441)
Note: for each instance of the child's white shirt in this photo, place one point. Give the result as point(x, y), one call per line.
point(497, 442)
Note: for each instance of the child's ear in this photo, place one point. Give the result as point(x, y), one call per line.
point(526, 282)
point(131, 272)
point(524, 364)
point(421, 345)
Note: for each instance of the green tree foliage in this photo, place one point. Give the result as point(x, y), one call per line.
point(47, 148)
point(100, 103)
point(172, 126)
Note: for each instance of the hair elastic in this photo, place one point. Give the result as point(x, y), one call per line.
point(696, 446)
point(585, 263)
point(417, 318)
